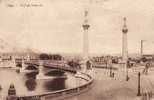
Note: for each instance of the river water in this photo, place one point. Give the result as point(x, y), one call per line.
point(26, 84)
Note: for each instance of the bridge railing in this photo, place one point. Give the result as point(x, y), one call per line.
point(52, 65)
point(71, 91)
point(59, 66)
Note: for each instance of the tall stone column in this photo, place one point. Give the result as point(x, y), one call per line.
point(85, 39)
point(124, 42)
point(125, 48)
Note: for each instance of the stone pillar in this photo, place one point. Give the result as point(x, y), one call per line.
point(40, 74)
point(125, 48)
point(124, 42)
point(85, 39)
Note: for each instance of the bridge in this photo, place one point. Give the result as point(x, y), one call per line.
point(53, 65)
point(60, 93)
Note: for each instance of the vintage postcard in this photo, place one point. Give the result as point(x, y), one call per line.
point(76, 49)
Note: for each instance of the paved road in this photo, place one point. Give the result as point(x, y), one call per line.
point(150, 77)
point(106, 88)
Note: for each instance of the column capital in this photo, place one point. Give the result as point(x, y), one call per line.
point(85, 26)
point(125, 29)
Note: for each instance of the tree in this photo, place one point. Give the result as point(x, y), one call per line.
point(44, 56)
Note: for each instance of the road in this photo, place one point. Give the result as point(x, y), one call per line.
point(107, 88)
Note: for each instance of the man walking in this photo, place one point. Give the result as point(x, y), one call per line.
point(145, 71)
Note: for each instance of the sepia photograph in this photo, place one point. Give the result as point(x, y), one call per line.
point(76, 49)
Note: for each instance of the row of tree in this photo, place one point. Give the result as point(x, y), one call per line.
point(45, 56)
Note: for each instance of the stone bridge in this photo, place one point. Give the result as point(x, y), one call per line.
point(48, 64)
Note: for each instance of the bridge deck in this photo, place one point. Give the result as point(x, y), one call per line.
point(53, 66)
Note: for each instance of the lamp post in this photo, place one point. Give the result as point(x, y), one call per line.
point(127, 77)
point(139, 90)
point(110, 71)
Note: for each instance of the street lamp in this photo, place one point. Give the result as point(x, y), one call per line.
point(127, 77)
point(139, 90)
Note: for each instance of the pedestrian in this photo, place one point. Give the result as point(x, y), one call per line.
point(145, 71)
point(110, 66)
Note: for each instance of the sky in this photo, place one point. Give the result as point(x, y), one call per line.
point(56, 25)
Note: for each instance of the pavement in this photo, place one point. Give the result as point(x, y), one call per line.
point(117, 88)
point(150, 77)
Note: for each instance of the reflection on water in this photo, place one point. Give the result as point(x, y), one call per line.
point(55, 84)
point(31, 84)
point(31, 75)
point(55, 73)
point(50, 85)
point(26, 84)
